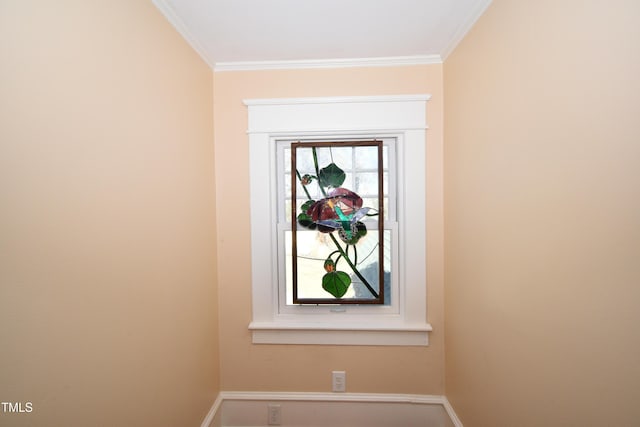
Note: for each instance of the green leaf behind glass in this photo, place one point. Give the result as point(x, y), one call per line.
point(306, 221)
point(336, 283)
point(307, 205)
point(331, 176)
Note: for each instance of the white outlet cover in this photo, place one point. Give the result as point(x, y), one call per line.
point(339, 381)
point(274, 415)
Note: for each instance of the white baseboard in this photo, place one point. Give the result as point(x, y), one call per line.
point(452, 414)
point(247, 409)
point(213, 412)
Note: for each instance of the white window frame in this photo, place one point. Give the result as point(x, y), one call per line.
point(400, 117)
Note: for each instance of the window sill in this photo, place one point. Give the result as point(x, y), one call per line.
point(329, 334)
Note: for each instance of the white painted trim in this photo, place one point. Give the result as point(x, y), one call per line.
point(401, 117)
point(183, 30)
point(208, 420)
point(337, 99)
point(462, 31)
point(425, 399)
point(452, 414)
point(271, 333)
point(337, 114)
point(332, 327)
point(392, 61)
point(380, 398)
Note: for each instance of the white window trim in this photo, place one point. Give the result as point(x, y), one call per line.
point(402, 117)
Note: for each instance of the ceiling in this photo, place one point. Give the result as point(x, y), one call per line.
point(226, 32)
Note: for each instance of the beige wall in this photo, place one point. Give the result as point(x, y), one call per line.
point(308, 368)
point(542, 214)
point(107, 245)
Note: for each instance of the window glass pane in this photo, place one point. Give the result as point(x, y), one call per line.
point(332, 223)
point(342, 156)
point(348, 181)
point(287, 184)
point(287, 156)
point(310, 286)
point(368, 267)
point(373, 202)
point(304, 162)
point(287, 210)
point(385, 157)
point(366, 183)
point(367, 158)
point(359, 164)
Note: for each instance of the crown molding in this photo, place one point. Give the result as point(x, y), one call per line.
point(391, 61)
point(173, 18)
point(464, 29)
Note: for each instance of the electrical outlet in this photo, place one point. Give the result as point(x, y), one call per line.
point(274, 417)
point(339, 381)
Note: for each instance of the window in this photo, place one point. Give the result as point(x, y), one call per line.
point(398, 125)
point(324, 260)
